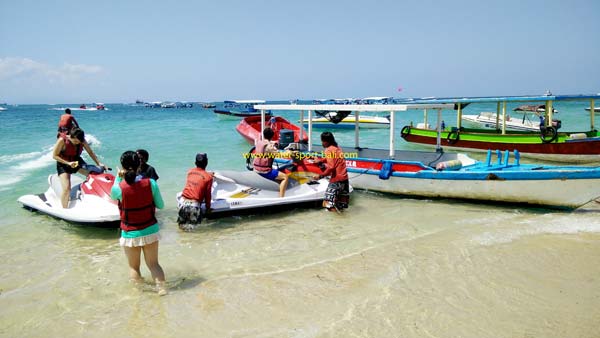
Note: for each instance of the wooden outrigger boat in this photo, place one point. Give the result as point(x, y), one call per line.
point(548, 143)
point(450, 175)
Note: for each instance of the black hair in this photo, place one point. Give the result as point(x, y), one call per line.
point(130, 161)
point(327, 136)
point(68, 111)
point(202, 162)
point(144, 156)
point(268, 133)
point(78, 134)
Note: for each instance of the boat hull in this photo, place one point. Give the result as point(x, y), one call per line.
point(562, 187)
point(555, 193)
point(250, 129)
point(89, 208)
point(566, 148)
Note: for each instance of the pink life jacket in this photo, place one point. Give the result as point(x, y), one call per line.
point(262, 163)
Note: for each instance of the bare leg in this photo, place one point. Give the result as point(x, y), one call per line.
point(284, 178)
point(133, 259)
point(151, 258)
point(65, 183)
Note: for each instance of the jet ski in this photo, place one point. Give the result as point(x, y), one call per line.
point(90, 202)
point(240, 192)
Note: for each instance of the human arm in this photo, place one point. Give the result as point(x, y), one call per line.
point(89, 150)
point(115, 191)
point(158, 201)
point(328, 165)
point(208, 193)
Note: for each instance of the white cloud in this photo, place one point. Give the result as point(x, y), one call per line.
point(25, 69)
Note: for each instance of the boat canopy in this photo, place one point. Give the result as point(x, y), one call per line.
point(524, 98)
point(356, 108)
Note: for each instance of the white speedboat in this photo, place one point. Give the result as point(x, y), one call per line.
point(493, 121)
point(90, 202)
point(238, 192)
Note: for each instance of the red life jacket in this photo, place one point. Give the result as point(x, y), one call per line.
point(71, 152)
point(262, 163)
point(66, 122)
point(137, 205)
point(196, 184)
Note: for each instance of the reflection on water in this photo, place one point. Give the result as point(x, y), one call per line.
point(414, 268)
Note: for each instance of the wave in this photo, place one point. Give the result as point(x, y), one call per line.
point(550, 224)
point(92, 140)
point(21, 165)
point(18, 157)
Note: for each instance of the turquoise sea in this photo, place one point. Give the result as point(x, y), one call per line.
point(388, 267)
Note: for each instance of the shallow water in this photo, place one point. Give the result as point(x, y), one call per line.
point(388, 267)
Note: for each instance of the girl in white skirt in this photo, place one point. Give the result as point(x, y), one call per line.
point(138, 198)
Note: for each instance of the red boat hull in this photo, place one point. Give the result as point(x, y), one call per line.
point(250, 128)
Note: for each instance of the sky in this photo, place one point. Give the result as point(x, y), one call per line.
point(121, 51)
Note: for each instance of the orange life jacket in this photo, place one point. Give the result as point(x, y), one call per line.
point(66, 123)
point(196, 184)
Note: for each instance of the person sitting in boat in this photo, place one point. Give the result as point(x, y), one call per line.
point(197, 189)
point(337, 195)
point(146, 170)
point(67, 153)
point(266, 151)
point(66, 123)
point(82, 106)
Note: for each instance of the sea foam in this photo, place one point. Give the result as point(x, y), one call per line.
point(551, 224)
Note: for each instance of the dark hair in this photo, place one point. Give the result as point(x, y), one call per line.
point(201, 160)
point(144, 156)
point(130, 162)
point(268, 133)
point(78, 134)
point(68, 111)
point(327, 137)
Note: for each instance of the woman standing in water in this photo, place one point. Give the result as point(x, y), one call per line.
point(67, 154)
point(138, 198)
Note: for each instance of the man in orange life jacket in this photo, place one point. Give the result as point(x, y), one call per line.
point(67, 153)
point(266, 150)
point(66, 123)
point(337, 195)
point(197, 189)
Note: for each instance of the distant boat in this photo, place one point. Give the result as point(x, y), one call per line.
point(83, 107)
point(377, 100)
point(596, 109)
point(545, 143)
point(209, 105)
point(528, 121)
point(250, 129)
point(239, 108)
